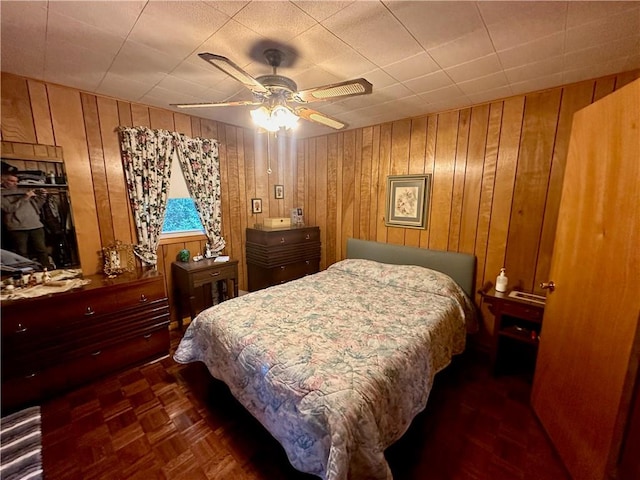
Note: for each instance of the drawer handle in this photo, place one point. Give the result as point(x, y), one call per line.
point(90, 311)
point(307, 262)
point(21, 328)
point(143, 298)
point(147, 336)
point(95, 354)
point(282, 267)
point(31, 375)
point(282, 240)
point(215, 274)
point(308, 237)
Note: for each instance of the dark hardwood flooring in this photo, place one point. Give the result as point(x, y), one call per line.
point(169, 421)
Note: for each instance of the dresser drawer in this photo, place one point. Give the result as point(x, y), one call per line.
point(271, 238)
point(285, 273)
point(53, 343)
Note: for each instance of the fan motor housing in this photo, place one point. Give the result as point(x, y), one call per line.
point(278, 82)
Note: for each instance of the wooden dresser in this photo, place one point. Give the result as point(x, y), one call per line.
point(54, 343)
point(279, 255)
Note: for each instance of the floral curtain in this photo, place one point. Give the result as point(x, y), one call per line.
point(146, 156)
point(201, 168)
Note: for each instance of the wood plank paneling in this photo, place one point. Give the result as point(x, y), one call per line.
point(69, 130)
point(16, 113)
point(97, 163)
point(530, 191)
point(123, 228)
point(497, 171)
point(331, 229)
point(442, 182)
point(40, 109)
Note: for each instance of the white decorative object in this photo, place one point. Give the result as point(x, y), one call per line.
point(501, 281)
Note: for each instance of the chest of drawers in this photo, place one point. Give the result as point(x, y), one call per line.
point(54, 343)
point(277, 256)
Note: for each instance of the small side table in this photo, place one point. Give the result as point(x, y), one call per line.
point(516, 329)
point(205, 274)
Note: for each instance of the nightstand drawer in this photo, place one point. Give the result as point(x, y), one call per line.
point(204, 277)
point(523, 311)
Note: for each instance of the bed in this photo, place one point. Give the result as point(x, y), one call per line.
point(337, 364)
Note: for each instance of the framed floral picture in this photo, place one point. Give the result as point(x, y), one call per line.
point(278, 191)
point(256, 205)
point(407, 201)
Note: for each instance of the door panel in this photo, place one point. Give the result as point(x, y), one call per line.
point(588, 356)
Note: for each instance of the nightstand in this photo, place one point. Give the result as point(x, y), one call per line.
point(516, 332)
point(196, 280)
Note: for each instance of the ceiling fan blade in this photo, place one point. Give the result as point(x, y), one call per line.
point(221, 104)
point(350, 88)
point(314, 116)
point(233, 70)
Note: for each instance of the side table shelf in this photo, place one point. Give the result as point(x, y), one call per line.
point(516, 332)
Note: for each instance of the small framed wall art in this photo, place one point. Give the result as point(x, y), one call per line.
point(256, 205)
point(278, 191)
point(407, 200)
point(118, 258)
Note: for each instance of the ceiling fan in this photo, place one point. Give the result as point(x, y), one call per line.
point(277, 97)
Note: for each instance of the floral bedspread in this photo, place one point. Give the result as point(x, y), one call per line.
point(337, 364)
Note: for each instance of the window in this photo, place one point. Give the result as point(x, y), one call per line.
point(181, 216)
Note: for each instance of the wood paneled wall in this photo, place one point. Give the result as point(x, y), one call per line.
point(497, 174)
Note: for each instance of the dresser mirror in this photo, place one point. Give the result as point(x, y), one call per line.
point(36, 174)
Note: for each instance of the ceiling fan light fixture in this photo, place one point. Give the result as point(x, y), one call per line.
point(274, 119)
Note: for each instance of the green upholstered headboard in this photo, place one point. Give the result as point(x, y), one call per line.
point(459, 266)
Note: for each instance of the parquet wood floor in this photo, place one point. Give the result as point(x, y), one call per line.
point(170, 421)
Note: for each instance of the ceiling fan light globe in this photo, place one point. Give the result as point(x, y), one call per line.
point(274, 119)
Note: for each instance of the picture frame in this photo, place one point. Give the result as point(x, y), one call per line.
point(118, 258)
point(256, 205)
point(407, 202)
point(278, 191)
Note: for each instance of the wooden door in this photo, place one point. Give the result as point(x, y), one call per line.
point(588, 357)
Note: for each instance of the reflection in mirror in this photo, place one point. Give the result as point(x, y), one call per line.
point(37, 221)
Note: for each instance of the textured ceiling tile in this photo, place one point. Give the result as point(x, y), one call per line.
point(228, 7)
point(123, 86)
point(23, 37)
point(515, 23)
point(412, 67)
point(438, 95)
point(114, 17)
point(535, 70)
point(536, 84)
point(318, 45)
point(580, 13)
point(464, 49)
point(176, 27)
point(372, 30)
point(534, 51)
point(482, 84)
point(426, 83)
point(349, 64)
point(142, 63)
point(475, 68)
point(67, 30)
point(605, 30)
point(321, 10)
point(233, 41)
point(435, 23)
point(275, 20)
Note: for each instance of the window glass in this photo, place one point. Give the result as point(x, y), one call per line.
point(181, 215)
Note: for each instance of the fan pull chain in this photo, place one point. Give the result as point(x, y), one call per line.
point(269, 154)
